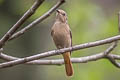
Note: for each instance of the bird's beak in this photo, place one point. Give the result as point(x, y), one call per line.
point(57, 11)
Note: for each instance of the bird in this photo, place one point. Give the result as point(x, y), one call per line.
point(62, 37)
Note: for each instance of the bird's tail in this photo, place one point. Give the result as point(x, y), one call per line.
point(68, 64)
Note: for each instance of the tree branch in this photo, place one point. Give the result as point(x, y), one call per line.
point(85, 59)
point(56, 52)
point(61, 61)
point(20, 22)
point(43, 17)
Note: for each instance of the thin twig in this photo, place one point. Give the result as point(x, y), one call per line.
point(56, 52)
point(20, 22)
point(110, 48)
point(113, 61)
point(47, 14)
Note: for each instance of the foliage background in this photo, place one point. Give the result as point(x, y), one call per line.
point(90, 20)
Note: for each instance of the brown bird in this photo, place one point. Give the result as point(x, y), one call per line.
point(62, 37)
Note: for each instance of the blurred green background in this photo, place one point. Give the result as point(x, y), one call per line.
point(90, 20)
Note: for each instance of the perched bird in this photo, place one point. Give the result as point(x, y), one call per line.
point(62, 38)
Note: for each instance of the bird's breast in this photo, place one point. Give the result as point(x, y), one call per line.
point(61, 35)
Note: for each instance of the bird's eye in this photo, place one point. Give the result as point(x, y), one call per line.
point(63, 14)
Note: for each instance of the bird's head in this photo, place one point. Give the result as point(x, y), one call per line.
point(61, 16)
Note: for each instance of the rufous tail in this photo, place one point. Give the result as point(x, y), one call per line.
point(68, 64)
